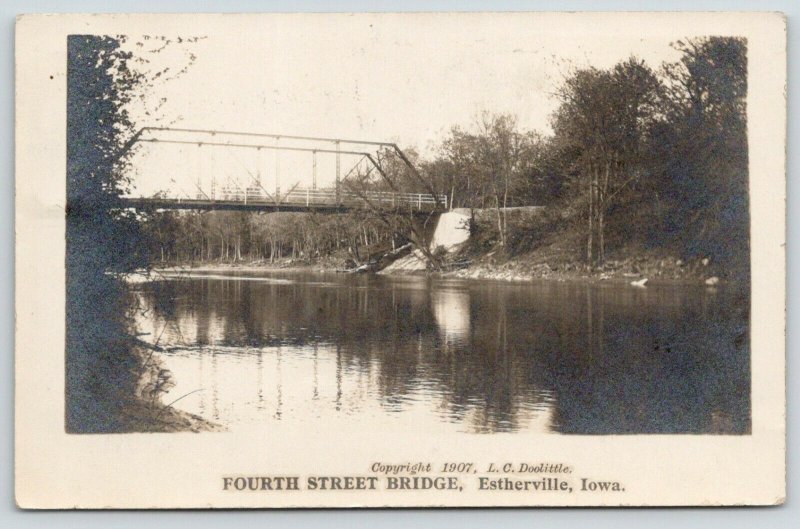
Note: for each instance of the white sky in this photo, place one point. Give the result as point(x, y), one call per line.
point(366, 78)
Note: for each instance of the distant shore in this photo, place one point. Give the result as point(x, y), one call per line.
point(654, 271)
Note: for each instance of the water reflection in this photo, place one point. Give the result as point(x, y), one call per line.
point(432, 355)
point(451, 312)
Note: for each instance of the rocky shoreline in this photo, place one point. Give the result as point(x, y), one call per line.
point(638, 272)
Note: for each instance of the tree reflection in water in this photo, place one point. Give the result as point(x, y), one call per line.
point(436, 354)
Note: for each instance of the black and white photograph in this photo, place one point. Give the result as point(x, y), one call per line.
point(559, 245)
point(414, 226)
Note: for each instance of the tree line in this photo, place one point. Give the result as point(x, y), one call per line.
point(636, 155)
point(231, 236)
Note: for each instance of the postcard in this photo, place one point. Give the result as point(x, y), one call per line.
point(400, 260)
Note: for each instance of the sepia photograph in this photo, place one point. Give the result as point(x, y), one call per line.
point(471, 228)
point(559, 244)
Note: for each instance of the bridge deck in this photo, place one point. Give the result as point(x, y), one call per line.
point(298, 200)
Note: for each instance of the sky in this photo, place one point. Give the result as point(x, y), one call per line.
point(406, 80)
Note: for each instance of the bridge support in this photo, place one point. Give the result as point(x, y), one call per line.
point(338, 168)
point(446, 230)
point(314, 170)
point(277, 169)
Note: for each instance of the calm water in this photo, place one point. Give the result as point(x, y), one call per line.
point(433, 355)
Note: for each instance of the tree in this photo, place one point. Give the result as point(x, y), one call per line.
point(703, 147)
point(463, 179)
point(99, 237)
point(505, 157)
point(604, 123)
point(103, 83)
point(394, 171)
point(490, 165)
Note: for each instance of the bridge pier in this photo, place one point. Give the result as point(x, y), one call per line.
point(451, 230)
point(447, 230)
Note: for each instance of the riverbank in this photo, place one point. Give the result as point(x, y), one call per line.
point(146, 410)
point(288, 265)
point(557, 256)
point(640, 271)
point(655, 269)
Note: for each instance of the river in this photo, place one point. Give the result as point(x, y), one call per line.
point(420, 354)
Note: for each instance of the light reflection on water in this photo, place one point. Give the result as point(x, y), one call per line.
point(433, 355)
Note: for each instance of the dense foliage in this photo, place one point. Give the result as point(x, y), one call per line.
point(103, 239)
point(100, 237)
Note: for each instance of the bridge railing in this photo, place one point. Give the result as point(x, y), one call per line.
point(327, 197)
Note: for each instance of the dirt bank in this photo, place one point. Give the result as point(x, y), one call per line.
point(150, 409)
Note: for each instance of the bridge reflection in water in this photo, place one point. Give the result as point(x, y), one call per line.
point(333, 351)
